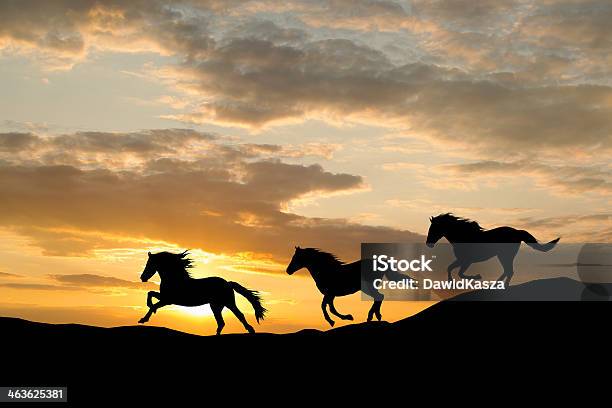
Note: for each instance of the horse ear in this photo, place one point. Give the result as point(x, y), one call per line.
point(149, 253)
point(430, 219)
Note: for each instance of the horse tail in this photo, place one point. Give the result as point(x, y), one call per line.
point(253, 297)
point(532, 242)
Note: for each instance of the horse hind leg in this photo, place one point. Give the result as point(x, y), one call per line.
point(377, 305)
point(507, 263)
point(450, 268)
point(332, 308)
point(217, 312)
point(462, 274)
point(241, 317)
point(325, 314)
point(375, 311)
point(369, 290)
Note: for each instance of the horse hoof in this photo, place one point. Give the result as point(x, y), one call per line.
point(142, 321)
point(477, 277)
point(331, 323)
point(348, 317)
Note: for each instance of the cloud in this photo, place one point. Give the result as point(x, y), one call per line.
point(256, 83)
point(63, 32)
point(223, 199)
point(492, 76)
point(562, 179)
point(466, 13)
point(36, 286)
point(145, 142)
point(79, 282)
point(9, 275)
point(512, 85)
point(90, 280)
point(363, 15)
point(567, 23)
point(596, 227)
point(15, 142)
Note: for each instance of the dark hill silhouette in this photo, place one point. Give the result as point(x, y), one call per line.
point(140, 359)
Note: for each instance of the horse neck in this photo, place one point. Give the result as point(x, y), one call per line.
point(169, 276)
point(461, 235)
point(316, 270)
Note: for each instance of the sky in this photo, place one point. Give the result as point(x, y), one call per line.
point(239, 129)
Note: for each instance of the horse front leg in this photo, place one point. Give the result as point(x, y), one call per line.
point(152, 294)
point(326, 299)
point(152, 309)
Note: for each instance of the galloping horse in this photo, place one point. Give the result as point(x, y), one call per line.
point(179, 288)
point(472, 243)
point(336, 278)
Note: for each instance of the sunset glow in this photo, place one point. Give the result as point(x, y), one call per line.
point(240, 129)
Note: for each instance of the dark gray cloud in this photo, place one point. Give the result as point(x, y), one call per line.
point(145, 142)
point(64, 25)
point(571, 23)
point(497, 76)
point(257, 82)
point(566, 179)
point(465, 13)
point(17, 141)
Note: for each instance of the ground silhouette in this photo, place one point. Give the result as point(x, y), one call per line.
point(141, 361)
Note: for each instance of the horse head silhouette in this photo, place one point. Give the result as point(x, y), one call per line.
point(149, 270)
point(297, 261)
point(435, 233)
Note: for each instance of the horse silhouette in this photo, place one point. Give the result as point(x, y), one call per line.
point(179, 288)
point(336, 278)
point(471, 243)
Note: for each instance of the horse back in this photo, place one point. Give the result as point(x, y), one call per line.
point(343, 280)
point(195, 292)
point(501, 235)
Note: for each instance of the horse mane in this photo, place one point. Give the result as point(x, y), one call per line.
point(323, 258)
point(175, 263)
point(451, 220)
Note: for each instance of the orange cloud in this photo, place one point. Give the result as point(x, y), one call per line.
point(223, 199)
